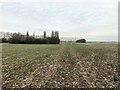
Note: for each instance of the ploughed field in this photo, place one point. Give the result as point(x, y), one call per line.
point(48, 66)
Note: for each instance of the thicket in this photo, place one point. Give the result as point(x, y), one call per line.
point(81, 41)
point(18, 38)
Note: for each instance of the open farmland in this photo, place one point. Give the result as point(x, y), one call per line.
point(77, 65)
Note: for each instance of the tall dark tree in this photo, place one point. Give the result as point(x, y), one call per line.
point(44, 34)
point(27, 36)
point(57, 37)
point(57, 34)
point(52, 34)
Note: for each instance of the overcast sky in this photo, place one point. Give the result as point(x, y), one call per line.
point(93, 20)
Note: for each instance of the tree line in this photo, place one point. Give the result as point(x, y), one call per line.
point(19, 38)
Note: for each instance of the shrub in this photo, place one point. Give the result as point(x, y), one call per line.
point(3, 40)
point(81, 41)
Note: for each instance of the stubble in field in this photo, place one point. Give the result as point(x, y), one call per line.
point(60, 66)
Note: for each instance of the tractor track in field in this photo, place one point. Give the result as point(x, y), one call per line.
point(68, 73)
point(86, 67)
point(82, 81)
point(93, 67)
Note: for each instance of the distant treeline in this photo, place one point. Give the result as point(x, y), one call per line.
point(18, 38)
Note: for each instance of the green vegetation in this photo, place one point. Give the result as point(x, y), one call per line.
point(81, 41)
point(19, 38)
point(77, 65)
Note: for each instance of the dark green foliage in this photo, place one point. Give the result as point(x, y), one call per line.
point(30, 40)
point(44, 34)
point(18, 38)
point(27, 37)
point(81, 41)
point(3, 40)
point(54, 38)
point(52, 34)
